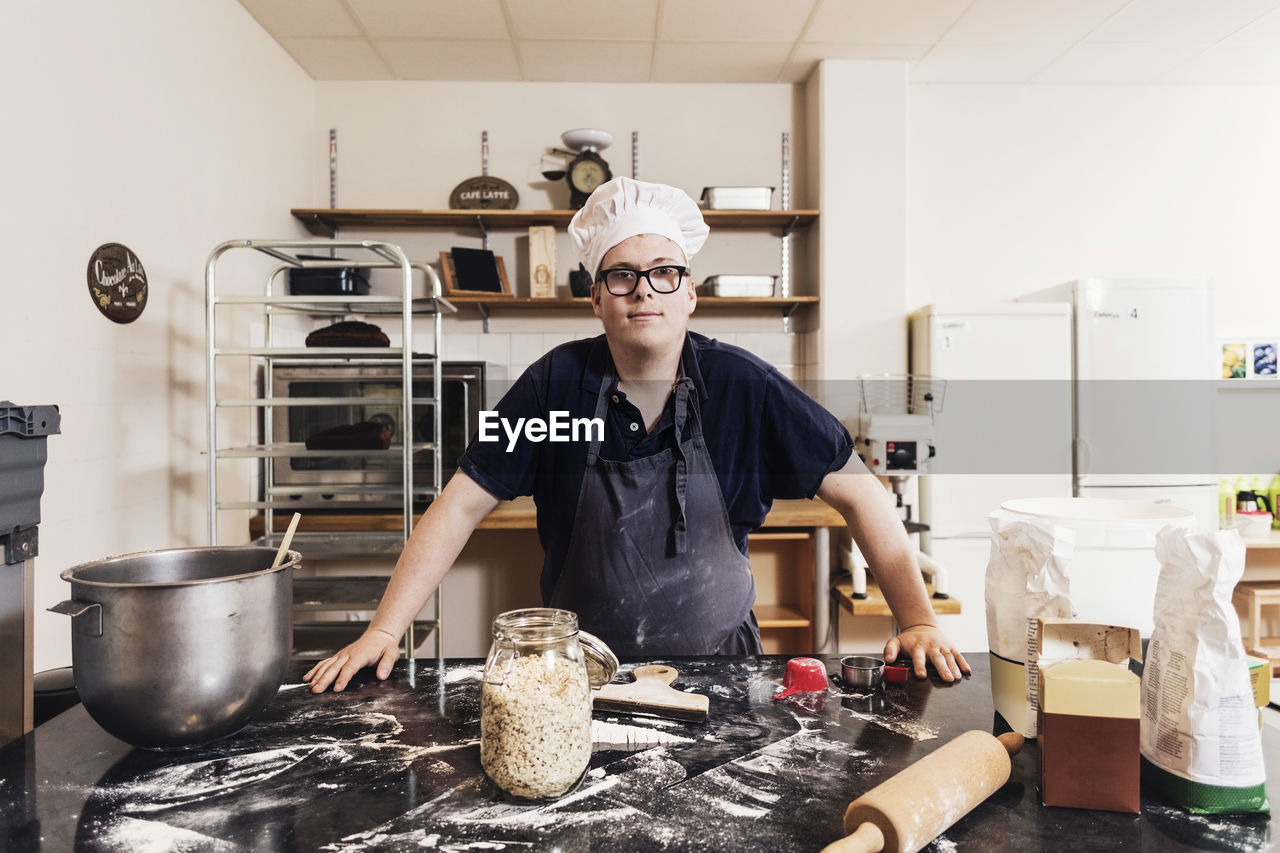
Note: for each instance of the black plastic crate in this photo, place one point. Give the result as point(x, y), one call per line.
point(23, 431)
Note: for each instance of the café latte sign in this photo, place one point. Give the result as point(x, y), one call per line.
point(483, 193)
point(117, 282)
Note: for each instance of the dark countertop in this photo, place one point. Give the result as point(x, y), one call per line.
point(395, 765)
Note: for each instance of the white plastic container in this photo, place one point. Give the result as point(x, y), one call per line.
point(1254, 525)
point(738, 198)
point(1103, 570)
point(758, 286)
point(1113, 569)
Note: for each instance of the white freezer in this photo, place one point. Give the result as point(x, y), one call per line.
point(1144, 363)
point(1139, 329)
point(1004, 431)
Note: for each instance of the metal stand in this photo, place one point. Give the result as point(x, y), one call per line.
point(300, 254)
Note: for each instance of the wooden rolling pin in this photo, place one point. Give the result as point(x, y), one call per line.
point(907, 811)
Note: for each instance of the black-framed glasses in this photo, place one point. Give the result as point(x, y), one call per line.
point(621, 281)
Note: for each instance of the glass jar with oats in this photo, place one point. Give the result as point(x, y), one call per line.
point(535, 705)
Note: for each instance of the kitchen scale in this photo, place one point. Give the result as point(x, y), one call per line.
point(586, 170)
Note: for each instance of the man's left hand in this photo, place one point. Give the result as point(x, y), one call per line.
point(926, 644)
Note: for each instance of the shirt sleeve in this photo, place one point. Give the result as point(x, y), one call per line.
point(803, 442)
point(504, 469)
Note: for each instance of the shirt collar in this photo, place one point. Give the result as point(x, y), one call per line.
point(599, 361)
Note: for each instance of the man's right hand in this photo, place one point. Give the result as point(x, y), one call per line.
point(373, 647)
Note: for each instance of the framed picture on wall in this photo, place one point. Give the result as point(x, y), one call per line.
point(1235, 364)
point(474, 272)
point(1262, 359)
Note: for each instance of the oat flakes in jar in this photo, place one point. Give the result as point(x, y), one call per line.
point(535, 703)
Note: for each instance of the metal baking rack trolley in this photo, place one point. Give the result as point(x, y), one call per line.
point(241, 426)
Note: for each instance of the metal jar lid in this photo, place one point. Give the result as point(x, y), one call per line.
point(602, 663)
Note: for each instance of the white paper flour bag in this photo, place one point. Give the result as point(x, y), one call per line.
point(1026, 579)
point(1201, 746)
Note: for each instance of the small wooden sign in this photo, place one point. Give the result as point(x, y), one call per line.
point(117, 282)
point(484, 193)
point(474, 272)
point(542, 261)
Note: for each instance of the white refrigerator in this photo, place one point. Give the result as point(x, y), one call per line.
point(1004, 432)
point(1143, 366)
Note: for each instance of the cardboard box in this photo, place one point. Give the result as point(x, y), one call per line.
point(1088, 710)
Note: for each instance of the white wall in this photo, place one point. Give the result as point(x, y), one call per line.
point(168, 127)
point(432, 132)
point(1017, 188)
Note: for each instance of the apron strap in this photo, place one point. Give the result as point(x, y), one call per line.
point(680, 529)
point(593, 449)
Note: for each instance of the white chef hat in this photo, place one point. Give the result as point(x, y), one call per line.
point(623, 208)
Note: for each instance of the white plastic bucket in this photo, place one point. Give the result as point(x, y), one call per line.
point(1113, 569)
point(1111, 579)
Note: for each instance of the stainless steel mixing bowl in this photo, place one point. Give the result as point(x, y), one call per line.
point(179, 647)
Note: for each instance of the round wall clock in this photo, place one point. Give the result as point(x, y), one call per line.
point(117, 282)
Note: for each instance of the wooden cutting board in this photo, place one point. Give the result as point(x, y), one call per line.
point(651, 695)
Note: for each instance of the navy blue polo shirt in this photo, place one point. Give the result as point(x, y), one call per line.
point(767, 439)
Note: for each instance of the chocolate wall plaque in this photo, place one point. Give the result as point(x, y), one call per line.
point(117, 282)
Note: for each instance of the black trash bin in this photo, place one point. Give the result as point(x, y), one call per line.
point(23, 431)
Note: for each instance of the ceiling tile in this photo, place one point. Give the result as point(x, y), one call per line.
point(1230, 62)
point(694, 62)
point(1092, 62)
point(1265, 29)
point(1005, 21)
point(984, 63)
point(1181, 20)
point(590, 20)
point(439, 19)
point(596, 61)
point(809, 51)
point(301, 18)
point(733, 20)
point(880, 22)
point(454, 59)
point(337, 58)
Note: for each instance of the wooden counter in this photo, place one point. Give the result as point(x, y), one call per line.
point(520, 514)
point(790, 559)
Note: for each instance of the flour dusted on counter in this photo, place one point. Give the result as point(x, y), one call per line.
point(1026, 579)
point(1200, 741)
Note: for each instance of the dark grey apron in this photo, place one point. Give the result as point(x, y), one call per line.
point(652, 568)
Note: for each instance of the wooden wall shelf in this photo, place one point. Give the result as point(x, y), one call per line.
point(719, 304)
point(324, 222)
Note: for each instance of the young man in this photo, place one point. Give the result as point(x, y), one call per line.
point(644, 520)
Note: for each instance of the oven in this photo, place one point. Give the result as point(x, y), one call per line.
point(346, 451)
